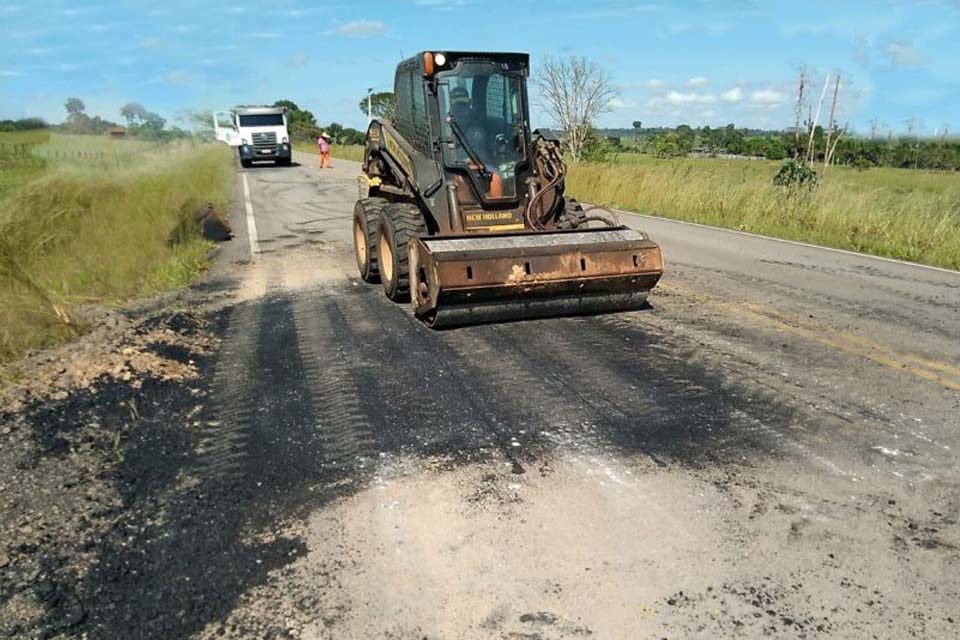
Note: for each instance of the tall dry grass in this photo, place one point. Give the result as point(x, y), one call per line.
point(897, 213)
point(84, 235)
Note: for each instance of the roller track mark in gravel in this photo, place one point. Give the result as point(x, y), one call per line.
point(338, 402)
point(643, 398)
point(748, 413)
point(529, 401)
point(222, 451)
point(627, 416)
point(449, 412)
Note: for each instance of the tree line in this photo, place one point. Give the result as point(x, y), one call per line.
point(303, 124)
point(908, 152)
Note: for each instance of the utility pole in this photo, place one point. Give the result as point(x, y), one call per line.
point(831, 124)
point(816, 119)
point(801, 86)
point(369, 106)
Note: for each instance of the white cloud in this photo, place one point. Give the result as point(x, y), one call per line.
point(646, 84)
point(10, 74)
point(767, 96)
point(263, 35)
point(298, 60)
point(177, 78)
point(620, 103)
point(675, 97)
point(903, 54)
point(697, 82)
point(707, 113)
point(732, 95)
point(360, 29)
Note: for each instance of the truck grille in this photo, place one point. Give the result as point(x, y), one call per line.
point(263, 140)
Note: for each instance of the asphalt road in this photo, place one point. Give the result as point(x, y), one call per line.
point(769, 450)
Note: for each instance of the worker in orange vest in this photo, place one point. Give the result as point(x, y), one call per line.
point(324, 145)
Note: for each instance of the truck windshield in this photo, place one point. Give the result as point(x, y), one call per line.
point(484, 104)
point(262, 120)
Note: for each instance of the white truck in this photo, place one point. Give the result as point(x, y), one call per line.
point(259, 133)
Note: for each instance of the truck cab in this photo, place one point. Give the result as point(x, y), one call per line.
point(259, 133)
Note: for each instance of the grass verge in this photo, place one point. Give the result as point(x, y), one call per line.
point(897, 213)
point(94, 235)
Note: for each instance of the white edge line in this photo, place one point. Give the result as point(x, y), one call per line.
point(251, 222)
point(793, 242)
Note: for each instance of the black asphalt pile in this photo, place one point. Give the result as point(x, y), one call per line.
point(88, 445)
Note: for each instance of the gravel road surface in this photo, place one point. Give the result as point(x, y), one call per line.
point(769, 450)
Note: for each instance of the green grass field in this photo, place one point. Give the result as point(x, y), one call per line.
point(76, 232)
point(899, 213)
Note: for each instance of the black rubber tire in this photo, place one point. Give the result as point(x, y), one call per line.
point(286, 162)
point(573, 215)
point(246, 164)
point(366, 216)
point(398, 224)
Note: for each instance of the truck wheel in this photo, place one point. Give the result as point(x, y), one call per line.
point(573, 215)
point(366, 227)
point(398, 224)
point(246, 164)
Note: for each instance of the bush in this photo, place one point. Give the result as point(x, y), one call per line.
point(796, 174)
point(598, 148)
point(668, 145)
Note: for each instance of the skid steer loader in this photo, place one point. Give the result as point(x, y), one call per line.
point(462, 207)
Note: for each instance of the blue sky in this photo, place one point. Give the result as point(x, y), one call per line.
point(674, 62)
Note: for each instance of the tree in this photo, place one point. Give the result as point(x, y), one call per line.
point(336, 132)
point(667, 145)
point(77, 120)
point(353, 136)
point(637, 124)
point(152, 124)
point(201, 122)
point(382, 103)
point(575, 92)
point(290, 105)
point(133, 112)
point(685, 136)
point(302, 123)
point(776, 150)
point(74, 106)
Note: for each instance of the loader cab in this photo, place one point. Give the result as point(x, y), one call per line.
point(477, 106)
